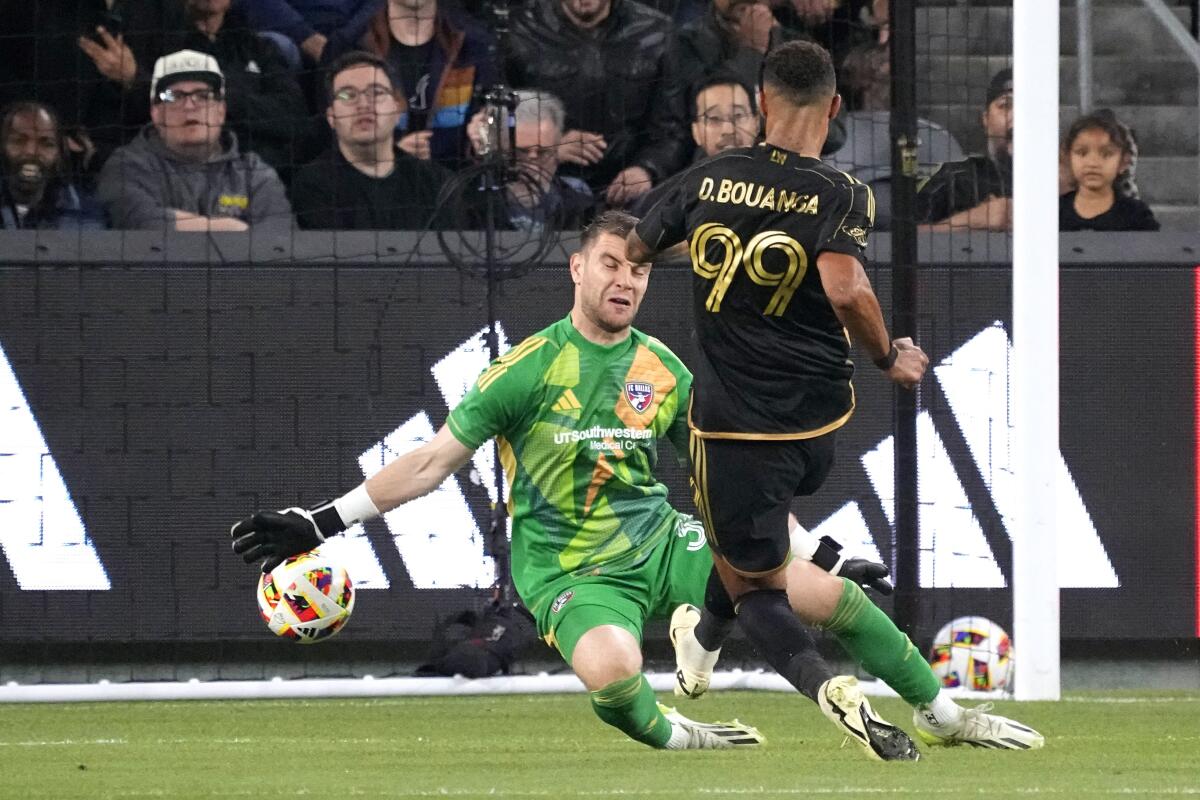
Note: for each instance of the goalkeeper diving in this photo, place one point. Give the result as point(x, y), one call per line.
point(578, 410)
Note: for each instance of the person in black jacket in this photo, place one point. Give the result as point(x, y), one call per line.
point(730, 40)
point(606, 60)
point(725, 116)
point(976, 193)
point(365, 182)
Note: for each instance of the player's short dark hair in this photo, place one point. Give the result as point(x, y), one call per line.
point(801, 71)
point(355, 58)
point(618, 223)
point(721, 78)
point(1103, 120)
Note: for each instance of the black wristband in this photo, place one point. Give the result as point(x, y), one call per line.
point(329, 521)
point(887, 361)
point(828, 553)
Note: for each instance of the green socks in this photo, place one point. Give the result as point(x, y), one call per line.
point(875, 642)
point(629, 706)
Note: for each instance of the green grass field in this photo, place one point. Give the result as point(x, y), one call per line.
point(551, 746)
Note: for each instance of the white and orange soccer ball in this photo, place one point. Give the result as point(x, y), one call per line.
point(973, 653)
point(308, 598)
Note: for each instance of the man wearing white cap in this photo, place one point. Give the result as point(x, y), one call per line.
point(184, 171)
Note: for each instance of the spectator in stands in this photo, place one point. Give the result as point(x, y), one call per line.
point(732, 37)
point(266, 106)
point(867, 152)
point(35, 188)
point(539, 196)
point(729, 40)
point(440, 58)
point(365, 182)
point(837, 25)
point(40, 59)
point(311, 27)
point(725, 116)
point(606, 60)
point(1100, 151)
point(976, 192)
point(184, 171)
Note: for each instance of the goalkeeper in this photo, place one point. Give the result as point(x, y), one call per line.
point(578, 410)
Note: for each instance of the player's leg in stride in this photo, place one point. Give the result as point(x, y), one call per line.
point(603, 650)
point(841, 607)
point(976, 727)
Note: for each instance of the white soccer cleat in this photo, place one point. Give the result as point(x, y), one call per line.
point(978, 728)
point(693, 664)
point(844, 703)
point(691, 735)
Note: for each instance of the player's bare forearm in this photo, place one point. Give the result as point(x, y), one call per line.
point(418, 472)
point(853, 300)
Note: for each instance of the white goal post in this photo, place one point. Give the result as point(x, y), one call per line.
point(1035, 372)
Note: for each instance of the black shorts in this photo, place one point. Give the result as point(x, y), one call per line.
point(744, 490)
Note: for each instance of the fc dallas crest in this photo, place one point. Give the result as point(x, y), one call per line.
point(639, 395)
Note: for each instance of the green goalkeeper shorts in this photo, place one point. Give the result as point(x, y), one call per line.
point(675, 572)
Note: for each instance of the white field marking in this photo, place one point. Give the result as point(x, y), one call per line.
point(756, 791)
point(1078, 698)
point(266, 740)
point(64, 742)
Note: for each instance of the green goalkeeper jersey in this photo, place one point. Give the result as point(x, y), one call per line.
point(578, 426)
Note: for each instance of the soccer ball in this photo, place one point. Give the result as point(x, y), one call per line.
point(974, 653)
point(308, 598)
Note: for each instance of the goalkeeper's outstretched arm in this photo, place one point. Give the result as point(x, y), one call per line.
point(418, 472)
point(274, 536)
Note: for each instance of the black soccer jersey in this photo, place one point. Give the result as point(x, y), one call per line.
point(774, 358)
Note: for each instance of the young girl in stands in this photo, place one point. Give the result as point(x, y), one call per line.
point(1100, 151)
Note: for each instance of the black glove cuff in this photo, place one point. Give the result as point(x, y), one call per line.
point(827, 555)
point(329, 521)
point(887, 361)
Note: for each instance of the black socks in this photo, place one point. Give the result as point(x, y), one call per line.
point(779, 636)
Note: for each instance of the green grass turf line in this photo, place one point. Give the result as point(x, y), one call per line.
point(1126, 744)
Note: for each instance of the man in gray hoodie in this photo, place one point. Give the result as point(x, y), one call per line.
point(184, 171)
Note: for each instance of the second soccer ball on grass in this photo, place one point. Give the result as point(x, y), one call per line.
point(974, 653)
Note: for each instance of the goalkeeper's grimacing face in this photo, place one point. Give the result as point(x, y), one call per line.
point(608, 287)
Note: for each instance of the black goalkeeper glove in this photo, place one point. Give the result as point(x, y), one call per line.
point(276, 536)
point(866, 573)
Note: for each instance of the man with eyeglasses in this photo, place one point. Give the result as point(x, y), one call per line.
point(725, 117)
point(365, 181)
point(184, 171)
point(265, 103)
point(538, 196)
point(731, 40)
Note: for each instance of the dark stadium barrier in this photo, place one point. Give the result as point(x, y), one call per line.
point(174, 393)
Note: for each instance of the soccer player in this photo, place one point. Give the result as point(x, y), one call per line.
point(772, 378)
point(578, 409)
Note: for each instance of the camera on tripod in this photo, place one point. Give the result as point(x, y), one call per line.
point(496, 138)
